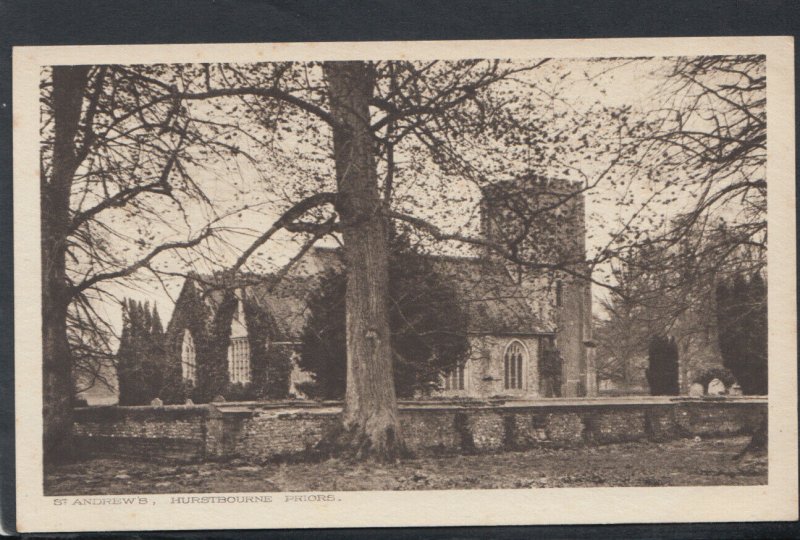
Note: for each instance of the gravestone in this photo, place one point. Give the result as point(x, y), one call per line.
point(156, 403)
point(736, 390)
point(716, 387)
point(189, 402)
point(218, 399)
point(696, 390)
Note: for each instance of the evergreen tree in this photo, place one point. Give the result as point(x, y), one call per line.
point(141, 362)
point(212, 359)
point(270, 363)
point(157, 327)
point(662, 373)
point(125, 354)
point(428, 327)
point(742, 330)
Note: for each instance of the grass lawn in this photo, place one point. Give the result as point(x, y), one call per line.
point(675, 463)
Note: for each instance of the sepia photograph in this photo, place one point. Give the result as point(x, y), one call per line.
point(296, 277)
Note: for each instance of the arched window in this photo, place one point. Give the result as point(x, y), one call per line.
point(239, 360)
point(454, 380)
point(239, 347)
point(514, 362)
point(188, 361)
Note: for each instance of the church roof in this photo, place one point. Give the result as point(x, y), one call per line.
point(494, 303)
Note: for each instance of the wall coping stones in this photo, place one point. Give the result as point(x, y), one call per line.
point(166, 412)
point(297, 407)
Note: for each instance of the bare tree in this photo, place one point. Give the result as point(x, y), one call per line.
point(116, 158)
point(702, 148)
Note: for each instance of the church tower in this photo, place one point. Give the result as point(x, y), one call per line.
point(541, 224)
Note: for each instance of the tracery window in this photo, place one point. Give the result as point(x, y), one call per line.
point(454, 380)
point(239, 360)
point(514, 361)
point(188, 357)
point(239, 346)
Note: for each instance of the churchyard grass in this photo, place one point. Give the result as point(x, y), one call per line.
point(680, 462)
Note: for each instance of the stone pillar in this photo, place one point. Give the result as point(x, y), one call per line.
point(214, 429)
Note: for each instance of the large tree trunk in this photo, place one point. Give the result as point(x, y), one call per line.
point(370, 422)
point(67, 97)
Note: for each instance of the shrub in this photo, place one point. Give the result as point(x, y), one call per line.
point(721, 373)
point(662, 373)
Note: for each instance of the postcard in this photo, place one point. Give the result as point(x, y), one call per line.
point(405, 283)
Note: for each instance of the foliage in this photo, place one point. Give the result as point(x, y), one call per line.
point(662, 373)
point(117, 157)
point(721, 373)
point(270, 364)
point(550, 368)
point(278, 369)
point(742, 322)
point(121, 144)
point(700, 148)
point(212, 356)
point(210, 330)
point(428, 327)
point(118, 196)
point(141, 359)
point(703, 145)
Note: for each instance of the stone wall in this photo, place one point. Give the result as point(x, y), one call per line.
point(173, 432)
point(259, 431)
point(269, 434)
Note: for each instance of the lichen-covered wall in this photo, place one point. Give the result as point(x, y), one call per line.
point(260, 432)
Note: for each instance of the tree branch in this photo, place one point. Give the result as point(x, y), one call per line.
point(286, 221)
point(142, 263)
point(440, 235)
point(273, 93)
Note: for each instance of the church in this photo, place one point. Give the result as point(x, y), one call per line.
point(529, 314)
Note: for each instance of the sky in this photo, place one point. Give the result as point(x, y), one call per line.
point(232, 183)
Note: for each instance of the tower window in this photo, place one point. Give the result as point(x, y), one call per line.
point(559, 293)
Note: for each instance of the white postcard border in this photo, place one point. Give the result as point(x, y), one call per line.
point(776, 501)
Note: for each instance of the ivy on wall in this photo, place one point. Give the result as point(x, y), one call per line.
point(208, 316)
